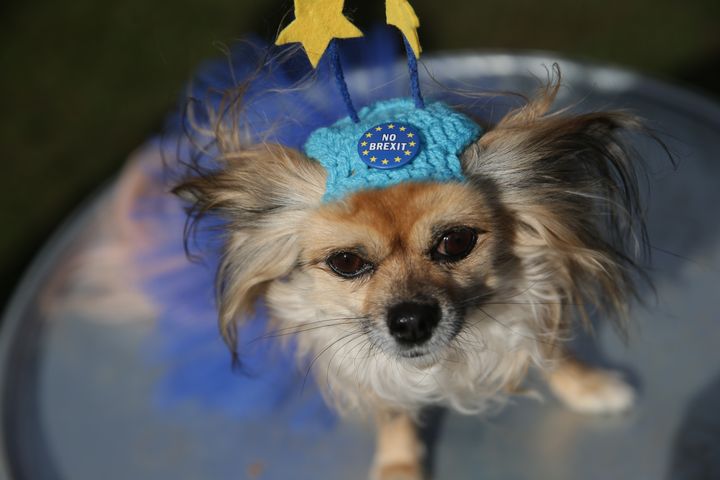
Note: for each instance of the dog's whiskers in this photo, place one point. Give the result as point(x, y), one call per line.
point(325, 349)
point(309, 326)
point(534, 338)
point(337, 350)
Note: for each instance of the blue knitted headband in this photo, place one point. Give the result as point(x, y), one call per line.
point(391, 141)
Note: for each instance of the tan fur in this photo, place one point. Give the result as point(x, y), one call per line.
point(399, 451)
point(588, 389)
point(395, 227)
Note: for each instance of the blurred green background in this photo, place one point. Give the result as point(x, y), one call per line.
point(85, 81)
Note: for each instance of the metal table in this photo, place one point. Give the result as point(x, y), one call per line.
point(85, 391)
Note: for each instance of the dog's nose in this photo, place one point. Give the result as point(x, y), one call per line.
point(412, 323)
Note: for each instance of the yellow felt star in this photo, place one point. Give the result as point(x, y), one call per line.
point(365, 152)
point(378, 128)
point(401, 14)
point(385, 161)
point(364, 144)
point(410, 135)
point(397, 159)
point(391, 126)
point(412, 144)
point(316, 23)
point(402, 129)
point(372, 159)
point(407, 152)
point(368, 135)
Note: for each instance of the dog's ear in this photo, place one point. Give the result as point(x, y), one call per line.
point(264, 194)
point(572, 184)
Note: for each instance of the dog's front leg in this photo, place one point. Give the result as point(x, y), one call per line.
point(589, 389)
point(399, 451)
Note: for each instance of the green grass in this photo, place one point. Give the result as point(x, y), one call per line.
point(84, 82)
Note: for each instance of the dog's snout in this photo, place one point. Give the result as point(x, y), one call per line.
point(412, 323)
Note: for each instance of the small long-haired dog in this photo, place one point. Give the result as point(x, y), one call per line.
point(438, 293)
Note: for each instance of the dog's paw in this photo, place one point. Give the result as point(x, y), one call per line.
point(592, 391)
point(397, 471)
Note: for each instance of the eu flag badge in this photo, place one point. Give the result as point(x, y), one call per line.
point(389, 145)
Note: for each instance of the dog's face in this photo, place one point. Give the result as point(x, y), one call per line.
point(412, 263)
point(426, 292)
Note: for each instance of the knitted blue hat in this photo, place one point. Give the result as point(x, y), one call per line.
point(393, 142)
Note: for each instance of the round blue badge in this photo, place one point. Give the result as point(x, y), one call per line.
point(389, 145)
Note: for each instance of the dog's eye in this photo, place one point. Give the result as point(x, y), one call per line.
point(455, 244)
point(348, 264)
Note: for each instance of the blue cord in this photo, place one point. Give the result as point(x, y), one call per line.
point(414, 77)
point(340, 79)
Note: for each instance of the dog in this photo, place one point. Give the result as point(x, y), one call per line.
point(432, 293)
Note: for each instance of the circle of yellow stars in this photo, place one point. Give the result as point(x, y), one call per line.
point(386, 160)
